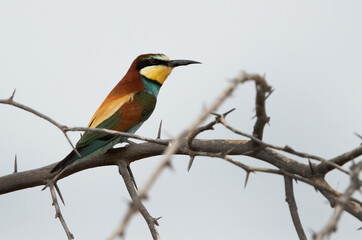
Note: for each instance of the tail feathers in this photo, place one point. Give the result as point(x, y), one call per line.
point(86, 152)
point(61, 167)
point(54, 180)
point(69, 159)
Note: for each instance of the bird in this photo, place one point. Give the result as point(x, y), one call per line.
point(125, 109)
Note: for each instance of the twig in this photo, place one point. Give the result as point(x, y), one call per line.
point(151, 222)
point(11, 101)
point(250, 169)
point(122, 228)
point(142, 195)
point(287, 166)
point(285, 148)
point(116, 133)
point(263, 91)
point(58, 213)
point(289, 198)
point(317, 184)
point(209, 126)
point(340, 160)
point(192, 136)
point(65, 129)
point(246, 168)
point(331, 226)
point(175, 144)
point(164, 162)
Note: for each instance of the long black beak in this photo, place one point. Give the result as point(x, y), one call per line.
point(176, 63)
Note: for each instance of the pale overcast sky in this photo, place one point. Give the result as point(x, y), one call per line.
point(63, 57)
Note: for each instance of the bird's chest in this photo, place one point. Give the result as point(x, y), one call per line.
point(146, 102)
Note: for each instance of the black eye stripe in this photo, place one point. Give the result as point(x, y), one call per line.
point(150, 62)
point(153, 61)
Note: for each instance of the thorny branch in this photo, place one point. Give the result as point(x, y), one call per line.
point(290, 199)
point(187, 144)
point(151, 222)
point(355, 184)
point(291, 150)
point(58, 213)
point(10, 101)
point(142, 195)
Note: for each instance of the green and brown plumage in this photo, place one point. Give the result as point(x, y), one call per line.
point(126, 108)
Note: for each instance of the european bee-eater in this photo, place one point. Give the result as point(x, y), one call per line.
point(126, 108)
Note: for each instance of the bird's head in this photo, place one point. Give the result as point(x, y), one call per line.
point(157, 67)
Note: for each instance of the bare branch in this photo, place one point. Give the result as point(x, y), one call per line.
point(263, 91)
point(58, 213)
point(340, 160)
point(142, 195)
point(285, 148)
point(151, 222)
point(10, 101)
point(289, 198)
point(186, 144)
point(66, 129)
point(355, 184)
point(175, 144)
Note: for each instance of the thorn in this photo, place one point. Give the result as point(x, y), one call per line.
point(155, 220)
point(59, 193)
point(170, 166)
point(130, 204)
point(190, 163)
point(215, 114)
point(269, 93)
point(159, 131)
point(12, 95)
point(246, 179)
point(132, 178)
point(146, 197)
point(288, 149)
point(358, 135)
point(311, 167)
point(230, 111)
point(16, 164)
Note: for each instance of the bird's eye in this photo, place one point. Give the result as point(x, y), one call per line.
point(152, 61)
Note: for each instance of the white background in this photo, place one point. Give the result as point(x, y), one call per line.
point(63, 57)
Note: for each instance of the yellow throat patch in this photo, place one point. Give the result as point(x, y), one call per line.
point(157, 73)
